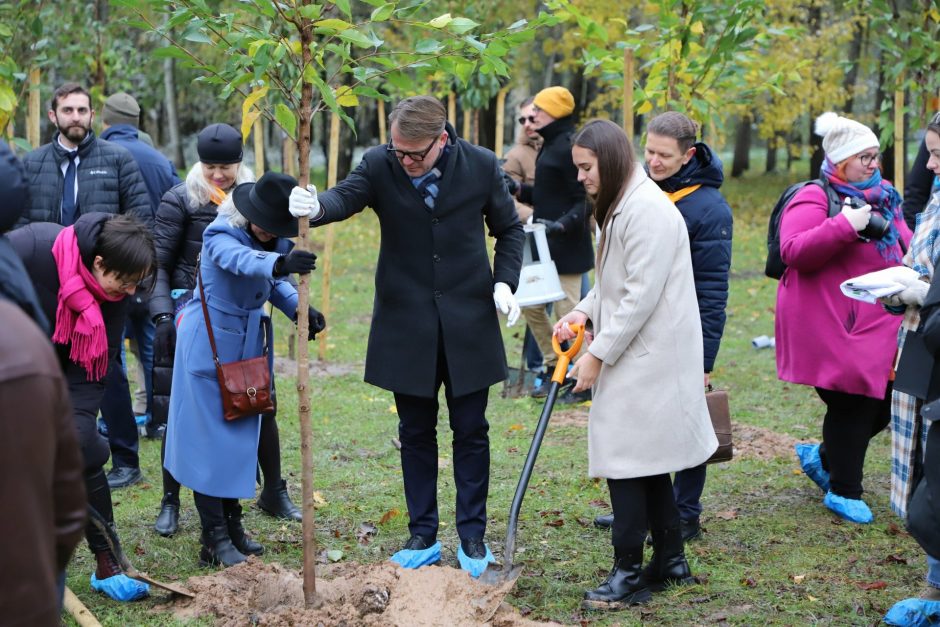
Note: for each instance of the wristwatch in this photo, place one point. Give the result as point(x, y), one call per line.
point(162, 318)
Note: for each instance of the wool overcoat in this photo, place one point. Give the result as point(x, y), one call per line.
point(433, 278)
point(824, 338)
point(648, 415)
point(205, 452)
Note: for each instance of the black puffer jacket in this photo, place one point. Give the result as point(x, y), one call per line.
point(708, 218)
point(557, 195)
point(178, 238)
point(109, 181)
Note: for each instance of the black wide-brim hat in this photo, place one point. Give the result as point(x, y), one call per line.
point(265, 203)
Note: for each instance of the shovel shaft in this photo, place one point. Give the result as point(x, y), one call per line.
point(509, 549)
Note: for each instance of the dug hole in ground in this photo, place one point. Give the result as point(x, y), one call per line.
point(385, 594)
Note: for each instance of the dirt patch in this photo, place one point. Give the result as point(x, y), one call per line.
point(749, 441)
point(351, 594)
point(287, 367)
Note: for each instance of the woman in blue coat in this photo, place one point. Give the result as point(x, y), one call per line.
point(245, 262)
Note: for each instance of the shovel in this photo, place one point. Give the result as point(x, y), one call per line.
point(507, 574)
point(115, 545)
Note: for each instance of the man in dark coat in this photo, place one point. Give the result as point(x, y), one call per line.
point(691, 174)
point(433, 319)
point(559, 202)
point(120, 118)
point(101, 176)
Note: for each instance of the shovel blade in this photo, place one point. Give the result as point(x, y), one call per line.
point(495, 575)
point(501, 581)
point(170, 587)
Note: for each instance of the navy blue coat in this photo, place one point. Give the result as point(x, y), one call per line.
point(159, 174)
point(708, 218)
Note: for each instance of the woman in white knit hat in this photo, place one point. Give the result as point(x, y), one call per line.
point(842, 347)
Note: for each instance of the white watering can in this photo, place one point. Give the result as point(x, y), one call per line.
point(538, 280)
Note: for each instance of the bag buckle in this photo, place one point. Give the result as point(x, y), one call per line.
point(252, 392)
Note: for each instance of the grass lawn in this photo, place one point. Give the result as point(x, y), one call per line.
point(771, 554)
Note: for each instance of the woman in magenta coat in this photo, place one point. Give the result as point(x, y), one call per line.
point(842, 347)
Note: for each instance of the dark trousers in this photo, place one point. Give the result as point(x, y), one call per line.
point(99, 497)
point(269, 458)
point(417, 431)
point(118, 415)
point(851, 421)
point(213, 510)
point(641, 505)
point(688, 487)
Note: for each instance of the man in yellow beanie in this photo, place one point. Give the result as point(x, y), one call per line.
point(559, 202)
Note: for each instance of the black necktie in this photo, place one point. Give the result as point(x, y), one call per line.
point(69, 206)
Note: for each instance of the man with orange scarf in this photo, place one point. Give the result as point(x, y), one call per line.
point(82, 274)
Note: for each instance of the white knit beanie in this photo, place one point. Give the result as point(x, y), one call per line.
point(843, 137)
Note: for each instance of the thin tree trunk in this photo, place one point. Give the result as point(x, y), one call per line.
point(742, 147)
point(855, 52)
point(771, 163)
point(172, 117)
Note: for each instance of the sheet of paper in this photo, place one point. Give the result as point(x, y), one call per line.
point(870, 287)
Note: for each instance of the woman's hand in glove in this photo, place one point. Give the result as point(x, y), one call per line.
point(164, 339)
point(296, 262)
point(315, 323)
point(552, 227)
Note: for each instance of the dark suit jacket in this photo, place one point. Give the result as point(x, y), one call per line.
point(433, 269)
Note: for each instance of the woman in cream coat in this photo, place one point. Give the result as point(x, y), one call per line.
point(648, 417)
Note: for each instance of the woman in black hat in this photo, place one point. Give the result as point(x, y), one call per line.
point(185, 212)
point(242, 251)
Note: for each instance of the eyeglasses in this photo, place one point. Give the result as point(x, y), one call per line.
point(414, 156)
point(867, 158)
point(527, 118)
point(125, 285)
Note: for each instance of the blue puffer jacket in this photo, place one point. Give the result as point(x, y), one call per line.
point(708, 218)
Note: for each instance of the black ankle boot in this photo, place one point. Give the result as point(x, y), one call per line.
point(168, 519)
point(668, 565)
point(217, 548)
point(236, 533)
point(624, 585)
point(276, 501)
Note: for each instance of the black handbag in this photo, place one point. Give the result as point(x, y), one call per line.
point(923, 512)
point(915, 372)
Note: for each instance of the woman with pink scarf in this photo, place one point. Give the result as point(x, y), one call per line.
point(82, 274)
point(844, 348)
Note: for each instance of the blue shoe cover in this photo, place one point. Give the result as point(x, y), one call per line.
point(120, 587)
point(141, 420)
point(410, 558)
point(472, 566)
point(914, 613)
point(811, 464)
point(853, 510)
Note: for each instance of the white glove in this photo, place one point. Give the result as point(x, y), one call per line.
point(303, 202)
point(858, 218)
point(506, 302)
point(914, 293)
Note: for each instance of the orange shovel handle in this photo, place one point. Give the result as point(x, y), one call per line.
point(564, 357)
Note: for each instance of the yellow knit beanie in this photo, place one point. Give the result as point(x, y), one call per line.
point(555, 101)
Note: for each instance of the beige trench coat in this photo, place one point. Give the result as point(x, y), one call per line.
point(648, 415)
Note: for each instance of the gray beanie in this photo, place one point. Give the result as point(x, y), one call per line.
point(121, 108)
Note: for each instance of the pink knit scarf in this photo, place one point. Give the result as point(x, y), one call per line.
point(78, 318)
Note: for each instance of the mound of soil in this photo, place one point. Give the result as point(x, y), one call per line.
point(351, 595)
point(749, 441)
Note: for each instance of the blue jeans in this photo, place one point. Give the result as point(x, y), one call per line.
point(933, 571)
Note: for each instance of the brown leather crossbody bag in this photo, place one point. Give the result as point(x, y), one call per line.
point(245, 385)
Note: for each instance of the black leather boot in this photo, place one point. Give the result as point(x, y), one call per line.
point(217, 548)
point(668, 565)
point(244, 544)
point(276, 502)
point(604, 521)
point(624, 585)
point(168, 519)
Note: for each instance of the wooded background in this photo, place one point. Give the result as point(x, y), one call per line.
point(755, 73)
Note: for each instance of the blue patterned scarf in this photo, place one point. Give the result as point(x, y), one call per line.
point(878, 193)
